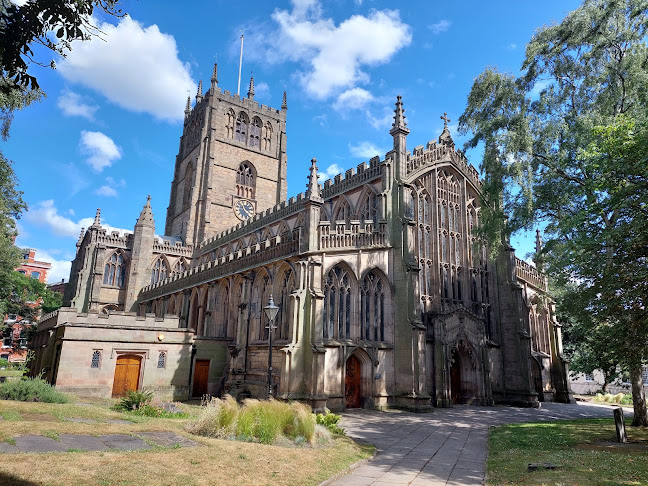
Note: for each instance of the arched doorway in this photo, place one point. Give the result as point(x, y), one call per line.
point(127, 374)
point(465, 375)
point(353, 383)
point(455, 379)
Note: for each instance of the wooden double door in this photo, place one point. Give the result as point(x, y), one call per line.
point(127, 374)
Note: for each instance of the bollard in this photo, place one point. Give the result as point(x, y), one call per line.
point(620, 425)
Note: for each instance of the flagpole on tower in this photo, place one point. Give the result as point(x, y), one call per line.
point(240, 65)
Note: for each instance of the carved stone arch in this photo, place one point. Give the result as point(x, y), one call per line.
point(466, 380)
point(358, 383)
point(300, 222)
point(325, 215)
point(109, 308)
point(283, 231)
point(172, 305)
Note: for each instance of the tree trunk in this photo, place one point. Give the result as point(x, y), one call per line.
point(638, 398)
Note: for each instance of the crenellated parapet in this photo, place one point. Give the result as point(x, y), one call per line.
point(434, 153)
point(352, 178)
point(117, 239)
point(175, 248)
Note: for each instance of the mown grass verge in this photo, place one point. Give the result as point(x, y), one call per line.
point(585, 450)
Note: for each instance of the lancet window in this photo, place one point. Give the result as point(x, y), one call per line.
point(337, 304)
point(229, 127)
point(255, 133)
point(115, 270)
point(188, 182)
point(179, 267)
point(342, 213)
point(369, 209)
point(267, 136)
point(160, 270)
point(282, 299)
point(424, 218)
point(241, 130)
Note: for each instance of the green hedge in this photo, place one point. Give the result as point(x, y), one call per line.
point(31, 390)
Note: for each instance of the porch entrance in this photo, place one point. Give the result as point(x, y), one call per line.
point(455, 380)
point(201, 378)
point(352, 383)
point(127, 374)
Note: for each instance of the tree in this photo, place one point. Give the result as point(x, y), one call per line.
point(37, 24)
point(566, 144)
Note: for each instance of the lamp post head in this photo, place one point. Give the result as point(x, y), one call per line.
point(271, 310)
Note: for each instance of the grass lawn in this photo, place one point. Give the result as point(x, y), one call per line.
point(215, 462)
point(586, 450)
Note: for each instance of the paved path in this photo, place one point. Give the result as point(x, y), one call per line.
point(111, 442)
point(448, 446)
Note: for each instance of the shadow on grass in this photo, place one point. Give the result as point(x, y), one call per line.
point(10, 480)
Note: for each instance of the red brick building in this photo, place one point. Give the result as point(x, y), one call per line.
point(15, 328)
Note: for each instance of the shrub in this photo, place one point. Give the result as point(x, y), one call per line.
point(133, 400)
point(263, 421)
point(31, 390)
point(330, 421)
point(4, 363)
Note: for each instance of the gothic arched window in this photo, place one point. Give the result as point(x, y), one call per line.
point(267, 136)
point(159, 271)
point(424, 222)
point(372, 308)
point(342, 213)
point(337, 304)
point(245, 180)
point(115, 270)
point(241, 131)
point(369, 209)
point(255, 133)
point(179, 267)
point(282, 299)
point(450, 237)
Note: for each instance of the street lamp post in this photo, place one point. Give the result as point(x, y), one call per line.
point(271, 311)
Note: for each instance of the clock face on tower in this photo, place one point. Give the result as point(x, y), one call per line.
point(243, 209)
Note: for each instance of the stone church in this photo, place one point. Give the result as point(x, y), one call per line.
point(386, 296)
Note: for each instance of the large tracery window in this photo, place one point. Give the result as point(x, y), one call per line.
point(337, 304)
point(245, 181)
point(241, 131)
point(372, 308)
point(115, 270)
point(450, 236)
point(255, 133)
point(159, 271)
point(282, 299)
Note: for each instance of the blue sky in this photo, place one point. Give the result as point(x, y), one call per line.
point(107, 134)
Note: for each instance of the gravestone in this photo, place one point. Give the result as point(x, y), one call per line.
point(620, 425)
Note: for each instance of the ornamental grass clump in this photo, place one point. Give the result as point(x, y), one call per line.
point(264, 421)
point(31, 390)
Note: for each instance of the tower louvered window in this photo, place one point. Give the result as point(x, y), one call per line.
point(241, 131)
point(255, 133)
point(245, 181)
point(267, 136)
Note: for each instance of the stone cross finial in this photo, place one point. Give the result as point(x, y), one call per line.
point(148, 199)
point(446, 120)
point(251, 88)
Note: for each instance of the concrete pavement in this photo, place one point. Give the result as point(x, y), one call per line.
point(446, 447)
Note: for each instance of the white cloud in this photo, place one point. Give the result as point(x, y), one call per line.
point(109, 189)
point(322, 120)
point(332, 57)
point(441, 26)
point(381, 122)
point(330, 172)
point(262, 90)
point(99, 149)
point(60, 268)
point(73, 104)
point(365, 150)
point(512, 46)
point(353, 99)
point(134, 66)
point(45, 213)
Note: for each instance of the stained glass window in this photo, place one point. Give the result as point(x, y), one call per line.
point(96, 359)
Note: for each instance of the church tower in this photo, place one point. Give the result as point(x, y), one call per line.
point(230, 165)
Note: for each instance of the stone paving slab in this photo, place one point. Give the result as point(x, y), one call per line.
point(119, 422)
point(446, 447)
point(80, 420)
point(83, 442)
point(8, 448)
point(38, 443)
point(124, 442)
